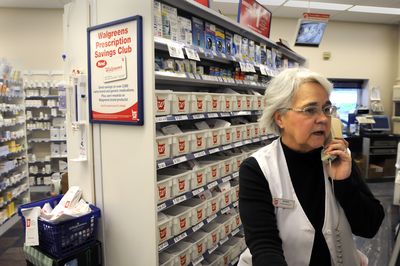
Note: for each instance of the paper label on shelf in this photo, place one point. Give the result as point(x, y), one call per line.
point(226, 147)
point(179, 159)
point(161, 119)
point(162, 165)
point(226, 178)
point(242, 66)
point(234, 175)
point(163, 246)
point(250, 68)
point(192, 54)
point(198, 260)
point(180, 237)
point(197, 76)
point(213, 249)
point(197, 191)
point(214, 150)
point(234, 232)
point(212, 115)
point(179, 199)
point(235, 204)
point(199, 154)
point(190, 75)
point(175, 50)
point(262, 70)
point(199, 116)
point(223, 241)
point(181, 117)
point(31, 226)
point(213, 184)
point(225, 210)
point(198, 226)
point(161, 207)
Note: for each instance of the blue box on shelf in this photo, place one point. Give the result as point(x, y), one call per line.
point(65, 238)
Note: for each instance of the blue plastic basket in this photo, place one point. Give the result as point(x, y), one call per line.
point(64, 239)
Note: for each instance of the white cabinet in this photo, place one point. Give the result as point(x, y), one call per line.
point(47, 139)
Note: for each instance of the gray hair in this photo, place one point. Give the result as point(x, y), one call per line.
point(281, 90)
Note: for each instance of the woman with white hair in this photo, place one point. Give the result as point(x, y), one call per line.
point(295, 208)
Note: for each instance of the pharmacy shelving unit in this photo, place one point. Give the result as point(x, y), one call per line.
point(197, 166)
point(128, 167)
point(14, 185)
point(47, 140)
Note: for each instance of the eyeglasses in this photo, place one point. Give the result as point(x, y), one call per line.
point(315, 110)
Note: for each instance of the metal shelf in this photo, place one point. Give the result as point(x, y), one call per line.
point(190, 156)
point(175, 118)
point(7, 224)
point(227, 23)
point(42, 97)
point(170, 78)
point(40, 189)
point(195, 228)
point(171, 202)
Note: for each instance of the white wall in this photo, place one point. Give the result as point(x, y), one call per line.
point(32, 39)
point(359, 50)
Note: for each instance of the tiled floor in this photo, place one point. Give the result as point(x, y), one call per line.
point(377, 249)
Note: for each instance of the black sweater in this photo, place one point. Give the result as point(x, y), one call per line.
point(363, 211)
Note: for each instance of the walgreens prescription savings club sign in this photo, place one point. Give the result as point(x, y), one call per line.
point(115, 65)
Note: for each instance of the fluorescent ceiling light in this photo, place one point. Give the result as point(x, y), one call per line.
point(317, 5)
point(271, 2)
point(376, 9)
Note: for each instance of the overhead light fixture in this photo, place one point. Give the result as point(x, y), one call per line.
point(317, 5)
point(272, 2)
point(376, 9)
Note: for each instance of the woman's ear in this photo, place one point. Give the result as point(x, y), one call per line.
point(278, 119)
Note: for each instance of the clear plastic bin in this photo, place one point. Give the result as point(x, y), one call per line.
point(240, 103)
point(225, 199)
point(181, 144)
point(256, 130)
point(180, 179)
point(249, 131)
point(163, 144)
point(180, 103)
point(163, 102)
point(235, 193)
point(258, 103)
point(180, 216)
point(199, 102)
point(199, 209)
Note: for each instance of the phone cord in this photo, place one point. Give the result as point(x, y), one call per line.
point(337, 231)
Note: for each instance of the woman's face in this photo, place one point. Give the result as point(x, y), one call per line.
point(300, 131)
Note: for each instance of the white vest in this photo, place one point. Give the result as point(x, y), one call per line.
point(295, 230)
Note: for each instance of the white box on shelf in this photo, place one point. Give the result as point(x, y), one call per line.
point(198, 140)
point(180, 179)
point(213, 204)
point(199, 177)
point(199, 209)
point(227, 135)
point(63, 149)
point(213, 234)
point(235, 222)
point(163, 144)
point(164, 227)
point(181, 144)
point(214, 169)
point(167, 259)
point(164, 186)
point(55, 150)
point(55, 133)
point(199, 102)
point(180, 102)
point(163, 102)
point(183, 251)
point(180, 218)
point(199, 243)
point(249, 102)
point(228, 102)
point(215, 102)
point(214, 139)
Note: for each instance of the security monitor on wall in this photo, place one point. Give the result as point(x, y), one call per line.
point(310, 32)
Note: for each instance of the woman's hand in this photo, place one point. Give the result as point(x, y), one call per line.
point(341, 166)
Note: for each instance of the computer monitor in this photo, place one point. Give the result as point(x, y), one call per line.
point(382, 123)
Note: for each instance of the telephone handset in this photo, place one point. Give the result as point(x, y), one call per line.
point(336, 132)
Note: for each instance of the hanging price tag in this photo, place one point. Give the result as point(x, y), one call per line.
point(262, 70)
point(242, 66)
point(192, 54)
point(175, 50)
point(250, 68)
